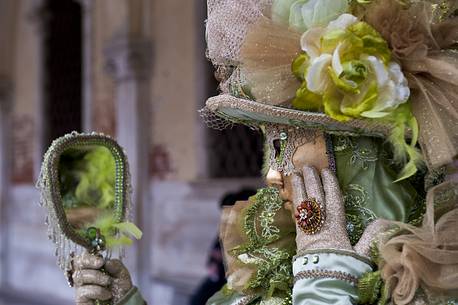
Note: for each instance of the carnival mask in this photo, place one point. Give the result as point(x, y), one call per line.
point(290, 149)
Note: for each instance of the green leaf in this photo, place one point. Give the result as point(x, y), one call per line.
point(331, 102)
point(346, 86)
point(307, 100)
point(130, 228)
point(354, 70)
point(299, 66)
point(373, 42)
point(367, 102)
point(330, 40)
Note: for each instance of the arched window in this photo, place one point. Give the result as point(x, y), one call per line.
point(63, 64)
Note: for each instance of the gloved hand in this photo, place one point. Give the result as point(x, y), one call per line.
point(326, 268)
point(91, 283)
point(325, 215)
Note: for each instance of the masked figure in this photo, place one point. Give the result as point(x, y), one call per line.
point(345, 93)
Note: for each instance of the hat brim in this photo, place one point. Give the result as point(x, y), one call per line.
point(252, 113)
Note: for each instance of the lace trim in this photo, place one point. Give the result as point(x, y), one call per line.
point(245, 300)
point(283, 141)
point(357, 213)
point(334, 251)
point(356, 197)
point(273, 265)
point(363, 156)
point(317, 273)
point(360, 155)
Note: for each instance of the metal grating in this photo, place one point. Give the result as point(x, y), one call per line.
point(235, 153)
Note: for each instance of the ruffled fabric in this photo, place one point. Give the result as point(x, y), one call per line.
point(427, 256)
point(258, 242)
point(423, 44)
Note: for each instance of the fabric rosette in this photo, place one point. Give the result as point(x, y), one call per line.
point(315, 57)
point(346, 69)
point(374, 67)
point(426, 256)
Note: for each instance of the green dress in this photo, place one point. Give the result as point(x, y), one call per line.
point(366, 176)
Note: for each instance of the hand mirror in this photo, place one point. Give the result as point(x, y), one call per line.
point(85, 186)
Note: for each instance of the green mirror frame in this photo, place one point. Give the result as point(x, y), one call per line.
point(50, 182)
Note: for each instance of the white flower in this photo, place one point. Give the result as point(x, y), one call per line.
point(305, 14)
point(342, 22)
point(392, 92)
point(311, 39)
point(317, 75)
point(370, 85)
point(310, 42)
point(321, 12)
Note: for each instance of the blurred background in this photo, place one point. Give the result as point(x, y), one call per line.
point(136, 70)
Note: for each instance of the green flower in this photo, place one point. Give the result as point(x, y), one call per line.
point(347, 70)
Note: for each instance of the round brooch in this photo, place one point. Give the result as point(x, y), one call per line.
point(310, 216)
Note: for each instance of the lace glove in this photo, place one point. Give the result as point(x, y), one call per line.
point(91, 283)
point(327, 267)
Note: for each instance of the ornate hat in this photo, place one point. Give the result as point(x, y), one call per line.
point(379, 68)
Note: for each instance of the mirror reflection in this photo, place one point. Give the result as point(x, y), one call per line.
point(87, 185)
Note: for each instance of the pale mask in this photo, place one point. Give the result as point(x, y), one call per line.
point(292, 148)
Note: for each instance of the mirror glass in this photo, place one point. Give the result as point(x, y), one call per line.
point(87, 177)
point(85, 184)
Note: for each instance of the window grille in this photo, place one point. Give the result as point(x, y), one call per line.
point(63, 68)
point(235, 152)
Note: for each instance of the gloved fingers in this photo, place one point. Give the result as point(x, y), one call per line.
point(335, 222)
point(88, 293)
point(88, 276)
point(122, 282)
point(88, 261)
point(115, 267)
point(299, 194)
point(363, 247)
point(333, 196)
point(313, 185)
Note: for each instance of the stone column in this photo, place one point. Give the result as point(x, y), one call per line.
point(88, 30)
point(5, 171)
point(129, 61)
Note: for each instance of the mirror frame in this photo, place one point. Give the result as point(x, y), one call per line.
point(75, 140)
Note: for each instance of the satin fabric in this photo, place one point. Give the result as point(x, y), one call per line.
point(133, 297)
point(222, 298)
point(362, 161)
point(324, 291)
